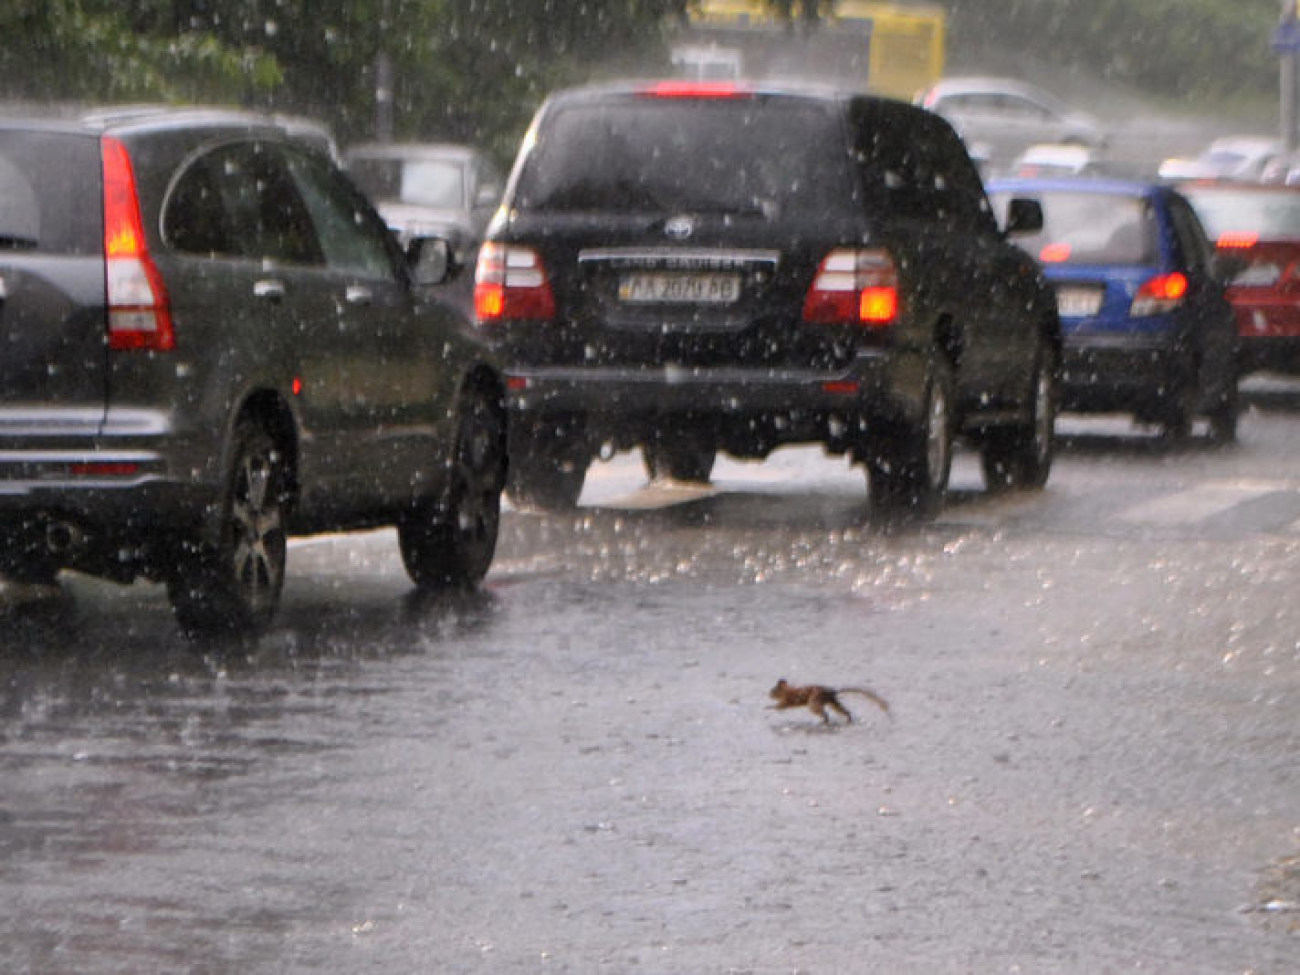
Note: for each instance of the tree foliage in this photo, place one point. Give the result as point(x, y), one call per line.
point(1182, 48)
point(474, 70)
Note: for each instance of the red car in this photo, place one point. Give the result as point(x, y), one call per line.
point(1261, 224)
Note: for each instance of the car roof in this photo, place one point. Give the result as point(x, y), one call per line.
point(128, 119)
point(411, 150)
point(686, 88)
point(1235, 186)
point(1048, 184)
point(986, 83)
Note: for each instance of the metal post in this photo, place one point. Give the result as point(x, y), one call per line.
point(1287, 81)
point(384, 81)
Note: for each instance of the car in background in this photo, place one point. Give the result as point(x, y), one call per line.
point(1260, 226)
point(1002, 117)
point(1058, 160)
point(1148, 329)
point(1232, 157)
point(429, 189)
point(213, 342)
point(688, 267)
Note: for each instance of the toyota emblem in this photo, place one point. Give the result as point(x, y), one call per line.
point(679, 228)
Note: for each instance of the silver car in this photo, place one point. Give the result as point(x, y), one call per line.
point(999, 118)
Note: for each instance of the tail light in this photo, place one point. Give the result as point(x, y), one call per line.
point(695, 89)
point(1234, 240)
point(510, 283)
point(854, 287)
point(139, 312)
point(1160, 294)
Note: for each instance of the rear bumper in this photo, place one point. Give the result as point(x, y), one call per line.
point(793, 405)
point(103, 497)
point(1108, 373)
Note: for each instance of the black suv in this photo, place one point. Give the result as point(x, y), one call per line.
point(693, 267)
point(211, 341)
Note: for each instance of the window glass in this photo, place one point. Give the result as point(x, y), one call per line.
point(1090, 228)
point(239, 201)
point(50, 193)
point(669, 155)
point(1195, 246)
point(351, 237)
point(1272, 215)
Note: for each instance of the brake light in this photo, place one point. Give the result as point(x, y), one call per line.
point(1160, 294)
point(695, 89)
point(854, 287)
point(139, 313)
point(1237, 240)
point(1057, 253)
point(510, 283)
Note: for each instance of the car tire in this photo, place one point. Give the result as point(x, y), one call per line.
point(235, 586)
point(910, 477)
point(1021, 457)
point(449, 541)
point(546, 472)
point(683, 459)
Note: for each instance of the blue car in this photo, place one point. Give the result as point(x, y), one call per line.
point(1140, 290)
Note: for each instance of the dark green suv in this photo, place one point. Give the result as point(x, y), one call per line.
point(690, 267)
point(210, 342)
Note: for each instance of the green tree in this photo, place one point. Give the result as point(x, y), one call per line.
point(93, 49)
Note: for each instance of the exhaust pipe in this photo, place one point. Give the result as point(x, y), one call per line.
point(62, 537)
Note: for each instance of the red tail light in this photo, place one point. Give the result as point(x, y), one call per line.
point(854, 287)
point(695, 89)
point(1160, 294)
point(139, 313)
point(1237, 240)
point(510, 283)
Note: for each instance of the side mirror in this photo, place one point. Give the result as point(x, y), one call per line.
point(430, 261)
point(1024, 217)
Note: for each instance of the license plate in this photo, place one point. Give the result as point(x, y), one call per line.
point(1078, 302)
point(699, 289)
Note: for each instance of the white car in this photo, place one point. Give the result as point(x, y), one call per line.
point(1004, 116)
point(1232, 157)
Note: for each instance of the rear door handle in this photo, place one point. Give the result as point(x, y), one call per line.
point(268, 288)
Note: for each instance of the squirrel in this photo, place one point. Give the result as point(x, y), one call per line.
point(818, 698)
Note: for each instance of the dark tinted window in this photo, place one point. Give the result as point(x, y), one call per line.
point(768, 155)
point(351, 237)
point(239, 201)
point(1197, 251)
point(913, 166)
point(50, 197)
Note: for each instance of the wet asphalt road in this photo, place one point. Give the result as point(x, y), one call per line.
point(1093, 761)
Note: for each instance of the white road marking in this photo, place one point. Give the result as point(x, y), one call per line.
point(1199, 503)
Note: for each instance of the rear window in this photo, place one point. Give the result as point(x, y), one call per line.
point(1273, 216)
point(424, 182)
point(1089, 228)
point(745, 155)
point(50, 198)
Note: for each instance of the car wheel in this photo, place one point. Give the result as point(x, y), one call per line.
point(235, 586)
point(546, 474)
point(450, 540)
point(1022, 457)
point(911, 476)
point(685, 459)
